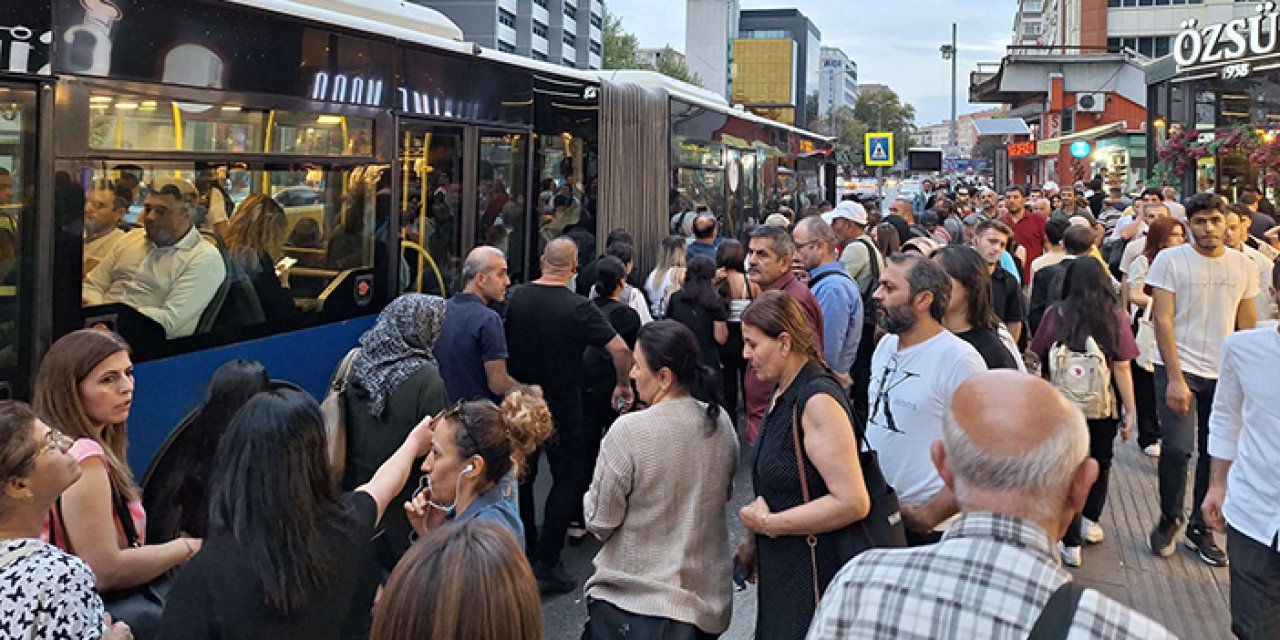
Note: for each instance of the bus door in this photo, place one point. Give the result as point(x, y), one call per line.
point(19, 177)
point(502, 196)
point(431, 186)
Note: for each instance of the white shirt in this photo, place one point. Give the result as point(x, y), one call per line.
point(1176, 210)
point(914, 385)
point(171, 285)
point(98, 248)
point(1245, 427)
point(1207, 293)
point(1263, 303)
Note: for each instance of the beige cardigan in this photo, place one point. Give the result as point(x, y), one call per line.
point(657, 501)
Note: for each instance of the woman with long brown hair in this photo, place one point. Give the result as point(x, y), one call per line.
point(811, 402)
point(465, 582)
point(1162, 234)
point(85, 389)
point(255, 242)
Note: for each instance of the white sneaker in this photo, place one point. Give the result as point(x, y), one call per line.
point(1071, 556)
point(1090, 531)
point(1152, 450)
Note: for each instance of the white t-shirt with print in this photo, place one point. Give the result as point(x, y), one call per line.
point(1207, 292)
point(914, 385)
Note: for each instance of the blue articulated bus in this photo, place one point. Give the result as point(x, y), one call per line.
point(391, 147)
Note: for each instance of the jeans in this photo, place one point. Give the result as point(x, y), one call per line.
point(1148, 419)
point(1180, 436)
point(570, 476)
point(1102, 438)
point(1255, 587)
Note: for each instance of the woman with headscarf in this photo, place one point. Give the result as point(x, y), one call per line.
point(394, 383)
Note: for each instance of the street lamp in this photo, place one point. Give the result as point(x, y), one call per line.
point(949, 52)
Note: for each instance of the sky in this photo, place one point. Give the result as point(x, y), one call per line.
point(894, 42)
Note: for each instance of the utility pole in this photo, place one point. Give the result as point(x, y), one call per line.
point(948, 52)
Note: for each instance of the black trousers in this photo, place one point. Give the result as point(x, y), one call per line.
point(1255, 587)
point(607, 622)
point(1102, 438)
point(570, 476)
point(1144, 395)
point(732, 369)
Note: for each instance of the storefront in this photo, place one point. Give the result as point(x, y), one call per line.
point(1214, 108)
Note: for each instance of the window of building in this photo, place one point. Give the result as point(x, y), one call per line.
point(507, 18)
point(1150, 46)
point(567, 62)
point(570, 11)
point(596, 48)
point(1031, 28)
point(764, 34)
point(1032, 6)
point(538, 55)
point(505, 47)
point(569, 39)
point(539, 29)
point(541, 3)
point(597, 21)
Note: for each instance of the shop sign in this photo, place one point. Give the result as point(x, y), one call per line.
point(25, 42)
point(1232, 47)
point(1080, 149)
point(1020, 149)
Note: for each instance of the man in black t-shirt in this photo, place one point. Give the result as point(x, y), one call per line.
point(990, 238)
point(1046, 286)
point(548, 327)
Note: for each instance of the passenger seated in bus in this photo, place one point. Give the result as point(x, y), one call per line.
point(6, 187)
point(164, 271)
point(104, 210)
point(216, 203)
point(255, 242)
point(345, 249)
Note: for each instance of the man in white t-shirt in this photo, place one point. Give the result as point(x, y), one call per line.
point(1243, 500)
point(1202, 292)
point(1237, 233)
point(914, 370)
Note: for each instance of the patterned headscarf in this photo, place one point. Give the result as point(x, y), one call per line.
point(400, 343)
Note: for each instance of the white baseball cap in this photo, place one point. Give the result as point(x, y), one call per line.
point(848, 210)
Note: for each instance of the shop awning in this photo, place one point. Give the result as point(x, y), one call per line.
point(1002, 127)
point(1051, 146)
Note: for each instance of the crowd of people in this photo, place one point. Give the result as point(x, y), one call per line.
point(926, 399)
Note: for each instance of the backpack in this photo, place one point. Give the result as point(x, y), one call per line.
point(1083, 377)
point(873, 258)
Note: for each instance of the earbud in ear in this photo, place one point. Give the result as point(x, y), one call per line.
point(469, 468)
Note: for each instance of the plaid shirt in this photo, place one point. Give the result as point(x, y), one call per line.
point(989, 577)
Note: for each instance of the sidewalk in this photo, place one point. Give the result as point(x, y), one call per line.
point(1182, 593)
point(1187, 596)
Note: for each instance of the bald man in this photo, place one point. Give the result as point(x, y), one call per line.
point(1020, 470)
point(548, 326)
point(472, 348)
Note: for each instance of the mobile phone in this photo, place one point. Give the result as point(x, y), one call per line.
point(285, 263)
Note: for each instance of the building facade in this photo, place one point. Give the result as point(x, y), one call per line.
point(652, 57)
point(806, 63)
point(1147, 27)
point(565, 32)
point(763, 79)
point(710, 27)
point(838, 85)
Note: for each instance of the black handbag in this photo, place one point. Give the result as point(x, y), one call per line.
point(881, 528)
point(140, 607)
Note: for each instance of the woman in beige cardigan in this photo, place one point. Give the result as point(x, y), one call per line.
point(657, 500)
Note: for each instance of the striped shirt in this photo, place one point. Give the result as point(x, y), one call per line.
point(989, 577)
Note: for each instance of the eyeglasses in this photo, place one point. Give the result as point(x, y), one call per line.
point(464, 423)
point(882, 393)
point(53, 439)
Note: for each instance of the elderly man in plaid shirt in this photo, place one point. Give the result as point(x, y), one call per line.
point(1020, 469)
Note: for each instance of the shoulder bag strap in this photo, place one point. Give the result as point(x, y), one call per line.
point(1055, 619)
point(344, 370)
point(811, 539)
point(126, 519)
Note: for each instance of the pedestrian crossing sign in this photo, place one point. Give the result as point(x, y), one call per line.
point(879, 151)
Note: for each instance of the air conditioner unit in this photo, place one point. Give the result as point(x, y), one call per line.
point(1091, 102)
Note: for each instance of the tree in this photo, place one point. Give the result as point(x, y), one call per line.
point(672, 64)
point(621, 51)
point(985, 149)
point(811, 108)
point(619, 46)
point(883, 111)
